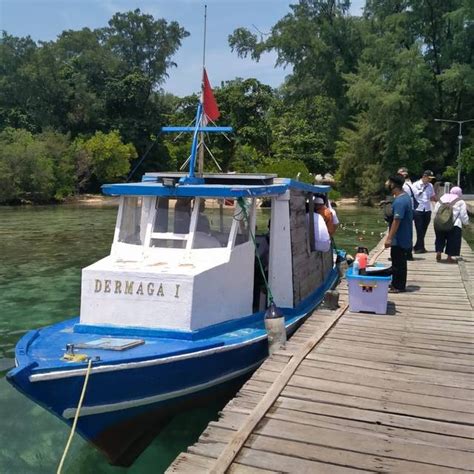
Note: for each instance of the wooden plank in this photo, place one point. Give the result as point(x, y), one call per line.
point(431, 375)
point(424, 344)
point(467, 281)
point(316, 452)
point(378, 405)
point(232, 420)
point(378, 418)
point(188, 463)
point(404, 382)
point(441, 340)
point(363, 378)
point(265, 460)
point(386, 393)
point(381, 405)
point(367, 444)
point(448, 357)
point(405, 358)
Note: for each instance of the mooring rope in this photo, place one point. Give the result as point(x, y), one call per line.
point(76, 417)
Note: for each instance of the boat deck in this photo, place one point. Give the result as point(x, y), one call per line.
point(361, 392)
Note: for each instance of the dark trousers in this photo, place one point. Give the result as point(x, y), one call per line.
point(451, 240)
point(422, 220)
point(399, 267)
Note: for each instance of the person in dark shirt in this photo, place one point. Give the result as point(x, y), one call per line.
point(400, 235)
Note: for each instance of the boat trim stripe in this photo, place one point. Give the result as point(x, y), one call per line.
point(60, 374)
point(98, 409)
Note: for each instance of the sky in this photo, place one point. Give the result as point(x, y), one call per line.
point(46, 19)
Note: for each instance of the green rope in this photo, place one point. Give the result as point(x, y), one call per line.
point(241, 203)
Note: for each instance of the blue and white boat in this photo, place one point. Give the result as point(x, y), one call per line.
point(175, 314)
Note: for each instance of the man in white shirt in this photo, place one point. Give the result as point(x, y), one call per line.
point(424, 195)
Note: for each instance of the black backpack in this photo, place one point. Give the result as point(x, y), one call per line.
point(388, 212)
point(415, 202)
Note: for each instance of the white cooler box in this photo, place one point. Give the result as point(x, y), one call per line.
point(368, 293)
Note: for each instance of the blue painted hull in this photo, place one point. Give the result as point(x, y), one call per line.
point(131, 395)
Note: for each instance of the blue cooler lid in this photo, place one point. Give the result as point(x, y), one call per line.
point(367, 276)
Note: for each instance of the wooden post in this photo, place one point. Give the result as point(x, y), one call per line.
point(201, 156)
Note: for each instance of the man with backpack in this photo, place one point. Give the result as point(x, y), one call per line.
point(450, 215)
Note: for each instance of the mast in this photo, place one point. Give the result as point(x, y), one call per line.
point(200, 126)
point(201, 135)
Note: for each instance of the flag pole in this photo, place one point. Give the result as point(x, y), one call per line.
point(201, 148)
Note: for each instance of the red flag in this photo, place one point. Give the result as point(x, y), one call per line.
point(209, 103)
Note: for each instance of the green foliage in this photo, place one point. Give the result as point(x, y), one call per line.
point(450, 174)
point(26, 168)
point(294, 169)
point(334, 195)
point(305, 131)
point(48, 166)
point(108, 158)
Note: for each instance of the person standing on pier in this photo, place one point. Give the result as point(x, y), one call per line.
point(400, 235)
point(449, 239)
point(424, 194)
point(408, 188)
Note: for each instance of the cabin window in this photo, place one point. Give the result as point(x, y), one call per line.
point(171, 223)
point(213, 223)
point(130, 224)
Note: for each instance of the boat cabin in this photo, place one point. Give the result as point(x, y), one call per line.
point(183, 256)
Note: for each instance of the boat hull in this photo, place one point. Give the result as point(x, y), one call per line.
point(124, 409)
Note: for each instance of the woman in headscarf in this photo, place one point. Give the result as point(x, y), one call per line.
point(450, 241)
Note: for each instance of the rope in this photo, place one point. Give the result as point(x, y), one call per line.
point(241, 203)
point(143, 157)
point(76, 417)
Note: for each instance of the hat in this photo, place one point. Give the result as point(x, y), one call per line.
point(403, 171)
point(318, 200)
point(456, 190)
point(428, 174)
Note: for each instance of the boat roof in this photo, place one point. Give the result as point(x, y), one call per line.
point(230, 185)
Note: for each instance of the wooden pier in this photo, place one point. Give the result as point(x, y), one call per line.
point(361, 392)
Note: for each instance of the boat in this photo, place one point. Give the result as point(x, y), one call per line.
point(174, 315)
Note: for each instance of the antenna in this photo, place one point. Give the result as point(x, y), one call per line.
point(201, 144)
point(205, 32)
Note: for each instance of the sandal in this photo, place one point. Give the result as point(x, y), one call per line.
point(396, 290)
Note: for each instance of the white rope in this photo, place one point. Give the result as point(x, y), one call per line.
point(76, 417)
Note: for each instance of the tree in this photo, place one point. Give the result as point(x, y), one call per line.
point(294, 169)
point(305, 131)
point(26, 170)
point(109, 158)
point(318, 39)
point(144, 44)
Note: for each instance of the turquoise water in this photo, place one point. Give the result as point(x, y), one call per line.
point(42, 252)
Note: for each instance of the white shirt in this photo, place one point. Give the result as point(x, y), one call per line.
point(408, 188)
point(335, 220)
point(423, 193)
point(460, 214)
point(322, 239)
